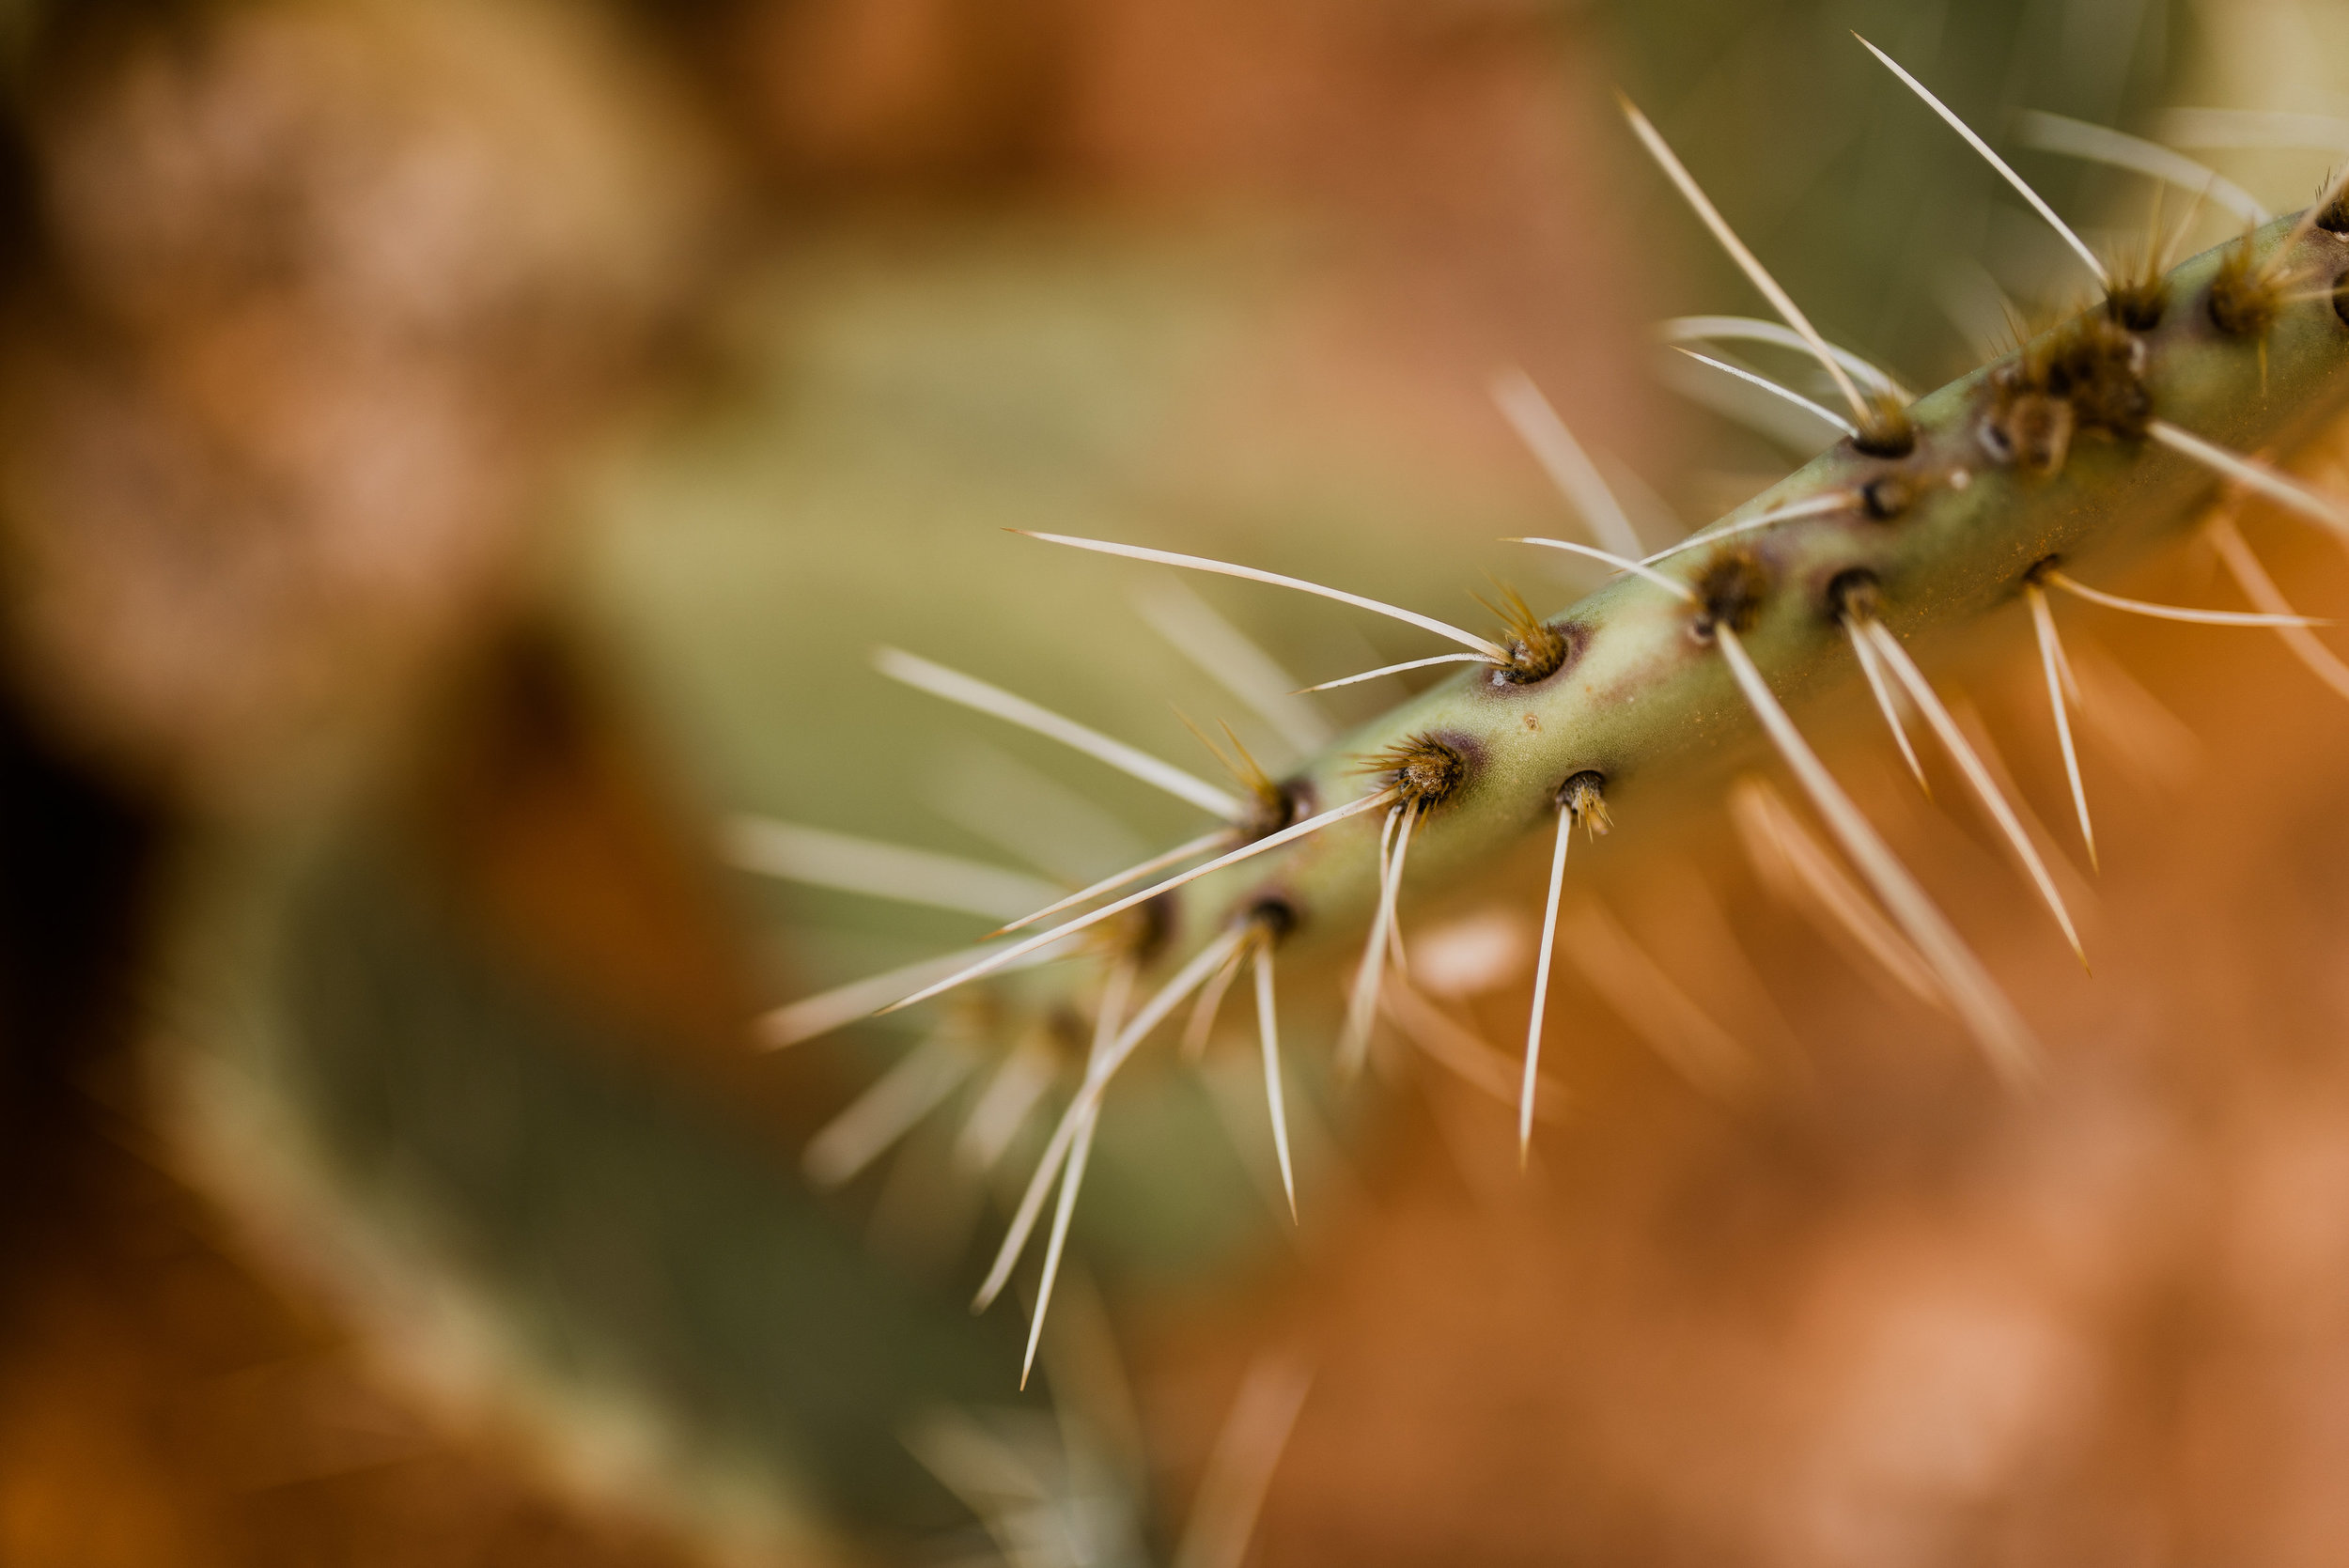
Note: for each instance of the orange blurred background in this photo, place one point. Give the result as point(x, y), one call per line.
point(448, 451)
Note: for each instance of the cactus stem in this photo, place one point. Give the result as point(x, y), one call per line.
point(2058, 674)
point(2041, 457)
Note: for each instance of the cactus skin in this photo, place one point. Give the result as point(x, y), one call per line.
point(1641, 697)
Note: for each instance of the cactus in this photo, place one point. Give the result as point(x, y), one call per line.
point(2093, 442)
point(780, 1349)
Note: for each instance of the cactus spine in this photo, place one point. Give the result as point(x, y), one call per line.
point(2088, 445)
point(1948, 532)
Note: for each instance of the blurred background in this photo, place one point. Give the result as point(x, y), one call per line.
point(453, 453)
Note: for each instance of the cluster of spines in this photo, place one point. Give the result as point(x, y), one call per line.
point(2087, 379)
